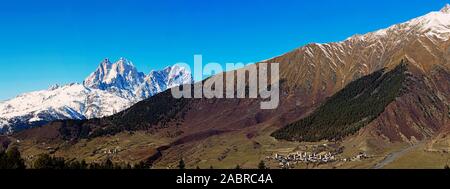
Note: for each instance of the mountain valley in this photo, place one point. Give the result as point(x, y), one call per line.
point(379, 100)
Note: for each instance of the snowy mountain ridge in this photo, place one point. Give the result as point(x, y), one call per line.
point(433, 24)
point(112, 88)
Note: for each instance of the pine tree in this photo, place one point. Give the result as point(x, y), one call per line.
point(83, 165)
point(108, 164)
point(95, 166)
point(140, 165)
point(262, 165)
point(14, 160)
point(45, 161)
point(3, 163)
point(127, 166)
point(181, 164)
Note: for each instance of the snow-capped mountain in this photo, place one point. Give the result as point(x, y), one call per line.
point(112, 88)
point(434, 25)
point(319, 71)
point(157, 81)
point(121, 78)
point(73, 101)
point(326, 68)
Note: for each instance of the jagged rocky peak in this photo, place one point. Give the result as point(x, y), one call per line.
point(53, 87)
point(446, 9)
point(104, 66)
point(123, 66)
point(178, 75)
point(121, 75)
point(124, 61)
point(101, 71)
point(161, 80)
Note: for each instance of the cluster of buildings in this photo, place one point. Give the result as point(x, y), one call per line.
point(112, 151)
point(286, 161)
point(360, 156)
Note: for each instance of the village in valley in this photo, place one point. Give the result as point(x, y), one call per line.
point(319, 154)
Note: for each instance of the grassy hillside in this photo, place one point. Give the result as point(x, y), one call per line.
point(157, 110)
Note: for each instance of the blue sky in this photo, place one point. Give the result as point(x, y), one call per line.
point(52, 41)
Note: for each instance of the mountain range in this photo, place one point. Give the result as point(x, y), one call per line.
point(112, 88)
point(384, 94)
